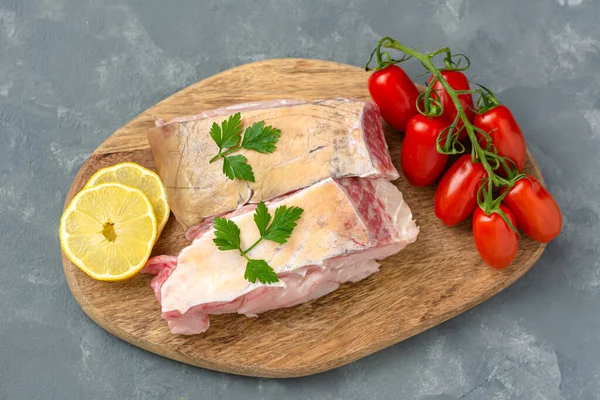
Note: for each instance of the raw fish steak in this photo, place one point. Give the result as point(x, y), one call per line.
point(347, 225)
point(319, 139)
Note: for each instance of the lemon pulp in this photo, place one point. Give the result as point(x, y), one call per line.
point(109, 230)
point(136, 176)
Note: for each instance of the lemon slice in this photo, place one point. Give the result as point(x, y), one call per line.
point(108, 231)
point(134, 175)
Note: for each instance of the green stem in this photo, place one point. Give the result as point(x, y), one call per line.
point(231, 150)
point(503, 215)
point(379, 59)
point(437, 75)
point(251, 247)
point(225, 153)
point(487, 98)
point(439, 51)
point(509, 171)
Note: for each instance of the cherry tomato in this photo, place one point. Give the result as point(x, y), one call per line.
point(536, 211)
point(457, 81)
point(420, 160)
point(456, 194)
point(395, 94)
point(505, 133)
point(496, 242)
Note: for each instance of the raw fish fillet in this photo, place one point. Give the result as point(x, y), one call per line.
point(347, 225)
point(319, 139)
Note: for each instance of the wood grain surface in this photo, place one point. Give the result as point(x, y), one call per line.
point(432, 280)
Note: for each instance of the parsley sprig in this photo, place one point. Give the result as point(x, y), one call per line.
point(227, 237)
point(228, 135)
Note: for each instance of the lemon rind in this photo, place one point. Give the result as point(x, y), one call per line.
point(163, 218)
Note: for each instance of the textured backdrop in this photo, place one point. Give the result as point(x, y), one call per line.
point(73, 71)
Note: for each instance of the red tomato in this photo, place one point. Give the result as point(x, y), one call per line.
point(496, 242)
point(456, 194)
point(505, 133)
point(395, 94)
point(420, 160)
point(537, 213)
point(457, 81)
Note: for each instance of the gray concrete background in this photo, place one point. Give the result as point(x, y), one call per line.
point(73, 71)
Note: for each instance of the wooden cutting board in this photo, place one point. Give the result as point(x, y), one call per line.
point(432, 280)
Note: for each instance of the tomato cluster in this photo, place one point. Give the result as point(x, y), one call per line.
point(486, 182)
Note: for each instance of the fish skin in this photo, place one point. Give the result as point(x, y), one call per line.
point(346, 226)
point(319, 139)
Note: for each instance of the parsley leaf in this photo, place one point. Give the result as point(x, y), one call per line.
point(227, 234)
point(283, 224)
point(227, 237)
point(261, 271)
point(235, 167)
point(216, 134)
point(262, 218)
point(261, 138)
point(228, 134)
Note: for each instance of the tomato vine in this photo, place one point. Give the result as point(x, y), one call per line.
point(447, 141)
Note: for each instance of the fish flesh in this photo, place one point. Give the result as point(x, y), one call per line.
point(319, 139)
point(347, 225)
